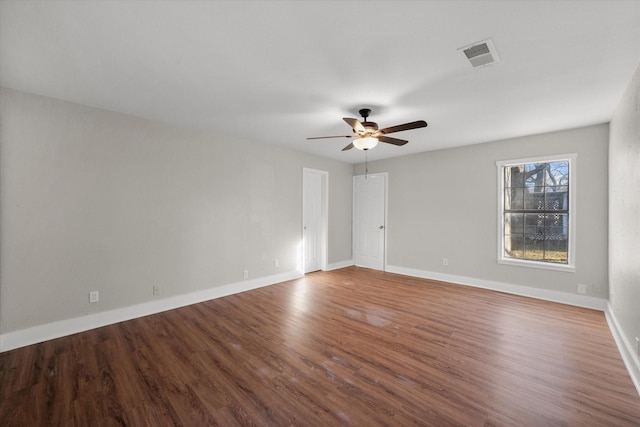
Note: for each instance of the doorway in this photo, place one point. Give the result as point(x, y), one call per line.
point(315, 190)
point(369, 220)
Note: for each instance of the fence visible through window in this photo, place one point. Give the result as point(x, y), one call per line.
point(536, 211)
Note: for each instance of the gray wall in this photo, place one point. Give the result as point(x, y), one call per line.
point(443, 204)
point(624, 213)
point(97, 200)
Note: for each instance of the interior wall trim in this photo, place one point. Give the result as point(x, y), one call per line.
point(40, 333)
point(584, 301)
point(337, 265)
point(629, 356)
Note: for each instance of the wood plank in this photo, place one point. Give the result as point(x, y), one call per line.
point(347, 347)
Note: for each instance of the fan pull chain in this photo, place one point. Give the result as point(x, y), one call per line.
point(366, 164)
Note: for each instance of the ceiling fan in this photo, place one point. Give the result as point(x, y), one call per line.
point(366, 134)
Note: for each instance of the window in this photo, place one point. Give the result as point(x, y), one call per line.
point(536, 214)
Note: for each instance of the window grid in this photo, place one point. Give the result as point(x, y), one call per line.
point(536, 211)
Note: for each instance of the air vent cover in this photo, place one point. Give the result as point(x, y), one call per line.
point(481, 54)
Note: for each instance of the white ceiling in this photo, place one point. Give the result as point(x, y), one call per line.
point(278, 72)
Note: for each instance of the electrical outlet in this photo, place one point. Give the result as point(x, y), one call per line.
point(245, 274)
point(276, 264)
point(445, 261)
point(582, 289)
point(94, 297)
point(156, 289)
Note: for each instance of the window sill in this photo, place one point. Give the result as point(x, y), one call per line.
point(535, 264)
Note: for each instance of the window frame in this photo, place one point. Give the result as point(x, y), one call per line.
point(571, 247)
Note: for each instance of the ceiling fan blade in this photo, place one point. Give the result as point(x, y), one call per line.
point(355, 124)
point(394, 141)
point(406, 126)
point(348, 147)
point(325, 137)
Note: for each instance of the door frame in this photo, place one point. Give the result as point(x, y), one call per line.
point(386, 216)
point(324, 218)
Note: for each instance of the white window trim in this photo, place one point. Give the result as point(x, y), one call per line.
point(570, 266)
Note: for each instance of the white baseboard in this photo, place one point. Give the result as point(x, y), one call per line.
point(40, 333)
point(337, 265)
point(527, 291)
point(629, 355)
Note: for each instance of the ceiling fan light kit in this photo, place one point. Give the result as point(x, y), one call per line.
point(367, 135)
point(365, 143)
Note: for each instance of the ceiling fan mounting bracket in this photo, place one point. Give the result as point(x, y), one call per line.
point(364, 112)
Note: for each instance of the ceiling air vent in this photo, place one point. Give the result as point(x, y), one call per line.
point(481, 54)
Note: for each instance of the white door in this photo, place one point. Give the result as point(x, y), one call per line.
point(312, 229)
point(369, 215)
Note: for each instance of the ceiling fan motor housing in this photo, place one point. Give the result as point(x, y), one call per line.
point(370, 127)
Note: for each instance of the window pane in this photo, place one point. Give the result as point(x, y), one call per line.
point(513, 224)
point(514, 176)
point(534, 224)
point(514, 246)
point(513, 199)
point(556, 198)
point(534, 248)
point(555, 250)
point(534, 198)
point(557, 173)
point(556, 226)
point(535, 174)
point(531, 168)
point(556, 237)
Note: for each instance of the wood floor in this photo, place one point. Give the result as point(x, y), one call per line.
point(347, 347)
